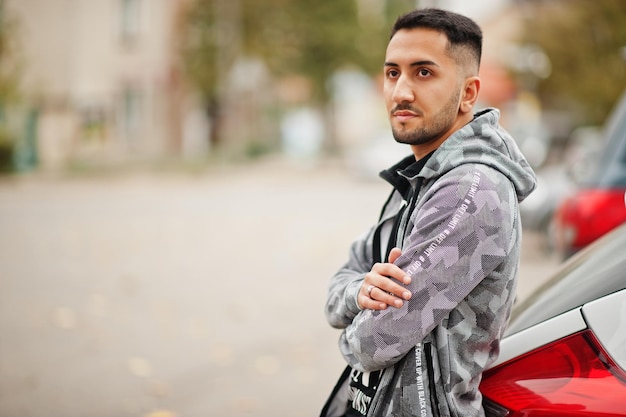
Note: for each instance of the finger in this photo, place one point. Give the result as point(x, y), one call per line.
point(380, 294)
point(372, 297)
point(391, 293)
point(390, 289)
point(378, 289)
point(392, 271)
point(394, 254)
point(366, 302)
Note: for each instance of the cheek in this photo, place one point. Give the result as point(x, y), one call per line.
point(439, 96)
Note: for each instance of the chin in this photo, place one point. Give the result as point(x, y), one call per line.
point(403, 136)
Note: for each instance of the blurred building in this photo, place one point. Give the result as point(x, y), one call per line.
point(104, 78)
point(105, 82)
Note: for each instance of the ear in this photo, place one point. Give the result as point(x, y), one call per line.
point(470, 94)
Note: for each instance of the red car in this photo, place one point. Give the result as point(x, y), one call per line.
point(598, 206)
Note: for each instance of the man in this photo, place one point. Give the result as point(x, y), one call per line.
point(426, 293)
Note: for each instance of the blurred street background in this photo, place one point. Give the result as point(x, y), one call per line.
point(180, 178)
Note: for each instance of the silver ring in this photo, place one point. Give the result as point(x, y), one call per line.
point(369, 290)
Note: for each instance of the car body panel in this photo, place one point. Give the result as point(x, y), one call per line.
point(606, 317)
point(597, 271)
point(541, 334)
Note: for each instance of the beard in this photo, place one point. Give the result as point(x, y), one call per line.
point(432, 129)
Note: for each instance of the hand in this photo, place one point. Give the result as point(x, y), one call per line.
point(379, 291)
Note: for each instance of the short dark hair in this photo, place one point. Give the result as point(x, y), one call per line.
point(461, 31)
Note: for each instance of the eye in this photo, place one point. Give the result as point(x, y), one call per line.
point(423, 72)
point(393, 73)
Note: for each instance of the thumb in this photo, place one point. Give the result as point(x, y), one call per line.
point(394, 254)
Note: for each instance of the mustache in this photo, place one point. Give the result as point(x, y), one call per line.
point(405, 106)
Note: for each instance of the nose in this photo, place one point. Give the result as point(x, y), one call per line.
point(402, 91)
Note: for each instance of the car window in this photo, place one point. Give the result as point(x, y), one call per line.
point(611, 168)
point(596, 271)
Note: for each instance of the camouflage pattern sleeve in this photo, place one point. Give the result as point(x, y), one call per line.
point(462, 229)
point(341, 303)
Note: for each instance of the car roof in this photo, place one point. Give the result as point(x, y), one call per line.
point(597, 271)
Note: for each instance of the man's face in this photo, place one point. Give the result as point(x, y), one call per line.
point(422, 87)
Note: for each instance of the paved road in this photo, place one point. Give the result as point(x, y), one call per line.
point(186, 295)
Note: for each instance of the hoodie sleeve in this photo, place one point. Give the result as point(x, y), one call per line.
point(464, 228)
point(341, 303)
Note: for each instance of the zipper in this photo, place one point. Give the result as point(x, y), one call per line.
point(406, 215)
point(431, 378)
point(380, 253)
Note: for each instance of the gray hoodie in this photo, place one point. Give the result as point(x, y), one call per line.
point(460, 245)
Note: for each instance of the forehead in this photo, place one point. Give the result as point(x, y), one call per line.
point(411, 45)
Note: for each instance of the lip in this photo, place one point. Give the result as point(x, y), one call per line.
point(404, 115)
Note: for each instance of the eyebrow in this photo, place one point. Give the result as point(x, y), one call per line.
point(413, 64)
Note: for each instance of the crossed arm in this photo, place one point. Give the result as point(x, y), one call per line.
point(358, 286)
point(448, 253)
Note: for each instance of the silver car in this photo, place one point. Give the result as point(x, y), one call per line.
point(564, 352)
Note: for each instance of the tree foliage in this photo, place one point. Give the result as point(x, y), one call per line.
point(8, 57)
point(585, 43)
point(312, 39)
point(292, 36)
